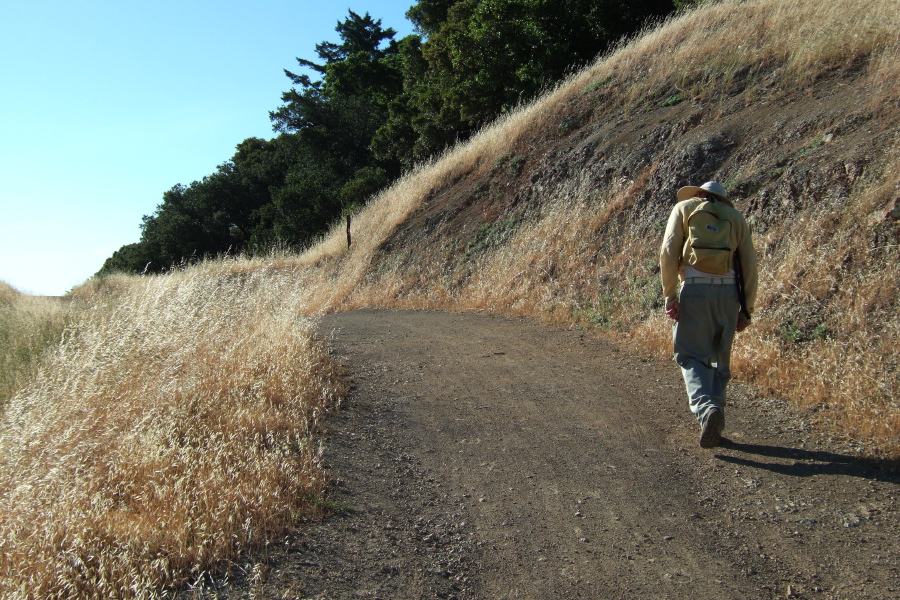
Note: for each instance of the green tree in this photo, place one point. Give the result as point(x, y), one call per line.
point(483, 57)
point(359, 67)
point(428, 15)
point(305, 205)
point(337, 116)
point(130, 258)
point(409, 134)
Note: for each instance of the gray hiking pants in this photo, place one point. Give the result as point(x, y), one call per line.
point(703, 336)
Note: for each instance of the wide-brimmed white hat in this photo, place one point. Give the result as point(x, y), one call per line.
point(713, 187)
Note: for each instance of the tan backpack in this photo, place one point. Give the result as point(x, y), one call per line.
point(707, 244)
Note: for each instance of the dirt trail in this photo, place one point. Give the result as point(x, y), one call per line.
point(485, 457)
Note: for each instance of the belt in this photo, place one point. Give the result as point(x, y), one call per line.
point(710, 280)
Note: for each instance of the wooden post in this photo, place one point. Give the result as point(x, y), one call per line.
point(349, 241)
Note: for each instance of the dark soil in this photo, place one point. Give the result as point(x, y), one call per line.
point(486, 457)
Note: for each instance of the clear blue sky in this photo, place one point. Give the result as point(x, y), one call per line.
point(106, 104)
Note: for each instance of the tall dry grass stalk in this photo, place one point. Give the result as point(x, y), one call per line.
point(174, 427)
point(29, 325)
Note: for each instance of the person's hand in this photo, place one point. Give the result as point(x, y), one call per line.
point(673, 310)
point(743, 322)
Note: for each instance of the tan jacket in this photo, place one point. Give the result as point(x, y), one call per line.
point(671, 263)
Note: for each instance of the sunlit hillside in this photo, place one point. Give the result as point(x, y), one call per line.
point(557, 211)
point(176, 423)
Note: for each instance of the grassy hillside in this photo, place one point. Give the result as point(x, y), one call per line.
point(175, 426)
point(29, 325)
point(557, 211)
point(177, 422)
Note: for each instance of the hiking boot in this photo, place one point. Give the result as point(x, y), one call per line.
point(711, 431)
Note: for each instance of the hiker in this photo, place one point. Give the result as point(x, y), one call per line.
point(708, 249)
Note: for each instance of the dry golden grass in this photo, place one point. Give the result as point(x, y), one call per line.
point(772, 43)
point(28, 326)
point(173, 428)
point(176, 425)
point(551, 268)
point(849, 370)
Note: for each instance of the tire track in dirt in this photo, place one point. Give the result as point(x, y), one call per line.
point(487, 457)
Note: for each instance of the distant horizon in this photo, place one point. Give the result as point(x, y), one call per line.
point(115, 105)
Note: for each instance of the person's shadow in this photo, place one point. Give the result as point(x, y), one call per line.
point(807, 463)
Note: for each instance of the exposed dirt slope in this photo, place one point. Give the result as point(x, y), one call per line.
point(484, 457)
point(566, 227)
point(785, 159)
